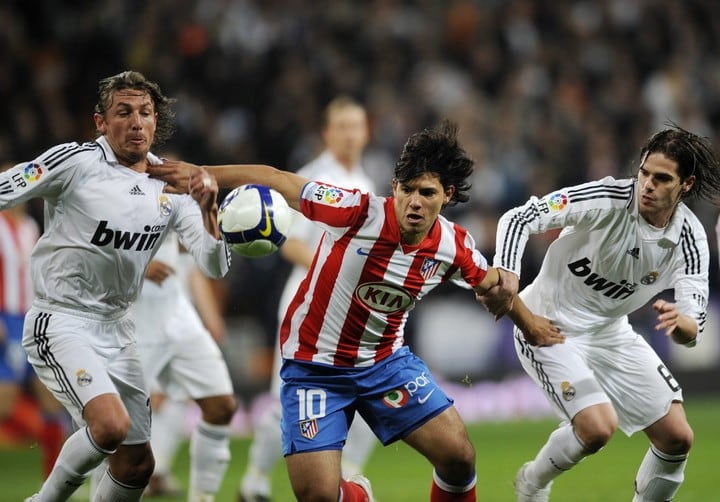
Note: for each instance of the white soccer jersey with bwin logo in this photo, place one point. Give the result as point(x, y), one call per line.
point(103, 224)
point(607, 262)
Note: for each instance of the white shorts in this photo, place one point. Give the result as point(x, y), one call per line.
point(179, 356)
point(79, 358)
point(582, 372)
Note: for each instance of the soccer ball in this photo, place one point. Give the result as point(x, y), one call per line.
point(254, 220)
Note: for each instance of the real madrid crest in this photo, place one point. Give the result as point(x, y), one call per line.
point(165, 205)
point(568, 391)
point(83, 378)
point(650, 278)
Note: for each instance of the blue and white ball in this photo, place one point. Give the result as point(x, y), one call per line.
point(254, 220)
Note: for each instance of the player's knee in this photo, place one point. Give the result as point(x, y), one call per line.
point(220, 410)
point(594, 436)
point(459, 465)
point(134, 469)
point(109, 432)
point(678, 442)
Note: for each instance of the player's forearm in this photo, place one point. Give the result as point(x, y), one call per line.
point(288, 184)
point(210, 221)
point(686, 331)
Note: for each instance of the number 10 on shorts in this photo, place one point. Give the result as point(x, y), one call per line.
point(311, 403)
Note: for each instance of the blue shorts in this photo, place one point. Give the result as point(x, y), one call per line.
point(14, 366)
point(395, 397)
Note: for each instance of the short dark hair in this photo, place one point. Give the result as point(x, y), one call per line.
point(136, 80)
point(437, 151)
point(694, 155)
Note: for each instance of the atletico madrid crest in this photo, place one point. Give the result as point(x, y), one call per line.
point(309, 428)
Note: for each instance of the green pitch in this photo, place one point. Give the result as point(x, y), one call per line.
point(399, 474)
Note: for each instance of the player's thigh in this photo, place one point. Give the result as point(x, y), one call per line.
point(562, 373)
point(67, 358)
point(315, 475)
point(637, 381)
point(196, 370)
point(398, 395)
point(318, 404)
point(443, 440)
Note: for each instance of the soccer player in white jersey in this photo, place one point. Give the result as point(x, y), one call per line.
point(342, 337)
point(623, 241)
point(181, 360)
point(104, 220)
point(345, 134)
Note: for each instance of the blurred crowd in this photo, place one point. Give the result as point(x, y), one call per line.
point(547, 92)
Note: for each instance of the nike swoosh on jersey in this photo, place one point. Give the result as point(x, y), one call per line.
point(422, 400)
point(363, 252)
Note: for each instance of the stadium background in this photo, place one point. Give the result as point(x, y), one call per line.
point(547, 93)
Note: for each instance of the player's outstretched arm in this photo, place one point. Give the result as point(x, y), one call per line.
point(183, 177)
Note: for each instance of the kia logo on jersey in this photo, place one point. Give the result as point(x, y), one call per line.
point(382, 297)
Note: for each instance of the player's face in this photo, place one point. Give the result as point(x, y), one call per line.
point(660, 188)
point(129, 125)
point(346, 133)
point(417, 205)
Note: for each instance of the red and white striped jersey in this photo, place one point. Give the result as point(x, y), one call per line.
point(17, 239)
point(351, 308)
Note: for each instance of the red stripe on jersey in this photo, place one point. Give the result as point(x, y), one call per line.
point(373, 270)
point(470, 272)
point(16, 243)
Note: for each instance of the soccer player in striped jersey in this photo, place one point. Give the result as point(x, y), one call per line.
point(104, 220)
point(345, 134)
point(342, 336)
point(623, 241)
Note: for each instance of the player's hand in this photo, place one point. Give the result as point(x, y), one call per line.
point(668, 316)
point(541, 332)
point(203, 188)
point(157, 271)
point(498, 300)
point(176, 174)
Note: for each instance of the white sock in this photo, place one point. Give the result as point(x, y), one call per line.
point(78, 456)
point(111, 490)
point(167, 434)
point(264, 453)
point(659, 476)
point(209, 458)
point(359, 445)
point(96, 476)
point(562, 452)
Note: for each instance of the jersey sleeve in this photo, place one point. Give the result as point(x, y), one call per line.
point(691, 276)
point(46, 176)
point(331, 207)
point(212, 256)
point(577, 206)
point(471, 265)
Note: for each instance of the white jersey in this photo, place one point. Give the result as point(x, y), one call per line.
point(608, 261)
point(103, 224)
point(327, 169)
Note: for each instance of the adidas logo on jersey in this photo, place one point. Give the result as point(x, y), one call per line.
point(634, 252)
point(136, 191)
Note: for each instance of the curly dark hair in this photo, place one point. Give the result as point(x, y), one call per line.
point(136, 80)
point(694, 155)
point(437, 151)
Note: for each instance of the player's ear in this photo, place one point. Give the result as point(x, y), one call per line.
point(100, 124)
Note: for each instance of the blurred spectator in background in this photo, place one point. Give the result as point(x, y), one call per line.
point(345, 134)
